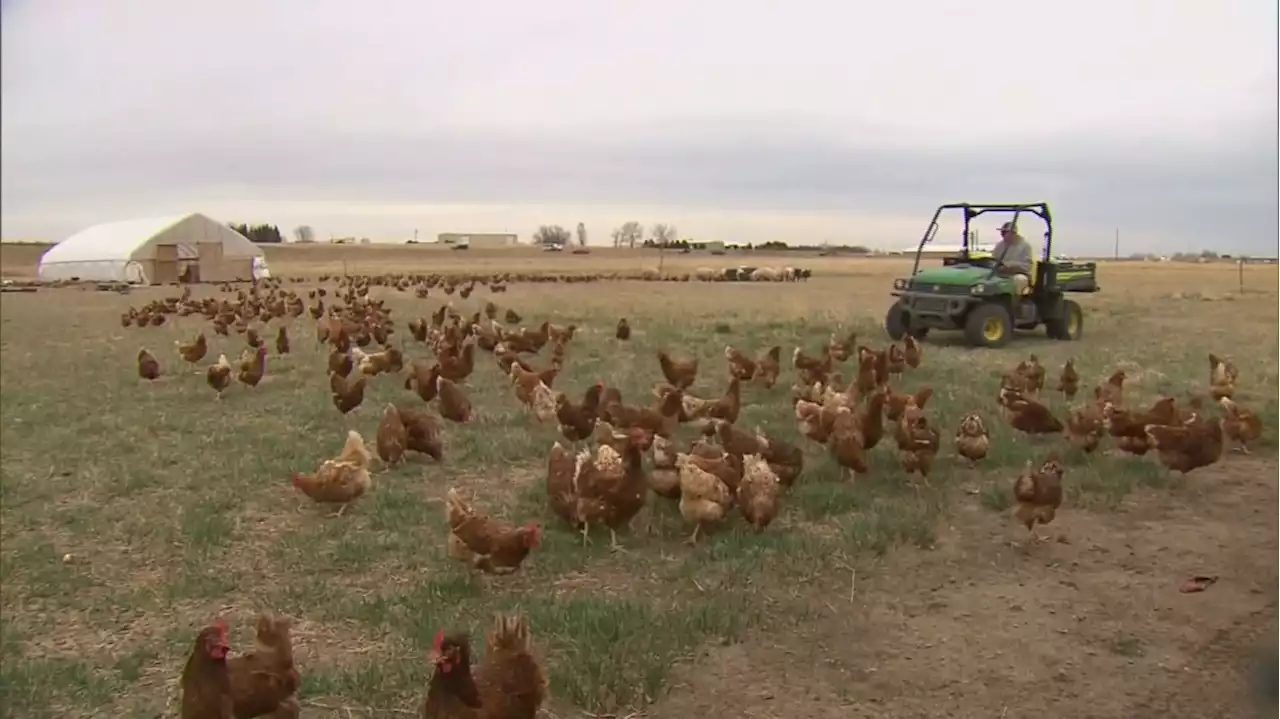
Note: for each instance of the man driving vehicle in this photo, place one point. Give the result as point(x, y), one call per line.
point(1014, 255)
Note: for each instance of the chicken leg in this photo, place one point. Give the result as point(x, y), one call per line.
point(613, 541)
point(586, 529)
point(693, 539)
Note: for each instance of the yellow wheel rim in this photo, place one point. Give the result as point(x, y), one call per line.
point(993, 330)
point(1073, 323)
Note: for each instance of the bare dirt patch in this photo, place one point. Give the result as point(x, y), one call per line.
point(1091, 627)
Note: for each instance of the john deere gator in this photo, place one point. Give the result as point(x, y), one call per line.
point(968, 294)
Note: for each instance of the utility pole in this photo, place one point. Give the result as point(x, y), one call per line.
point(1116, 246)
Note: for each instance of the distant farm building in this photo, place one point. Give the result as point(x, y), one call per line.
point(190, 248)
point(478, 239)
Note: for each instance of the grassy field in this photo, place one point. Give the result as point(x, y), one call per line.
point(132, 512)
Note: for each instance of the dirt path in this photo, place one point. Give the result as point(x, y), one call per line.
point(1091, 627)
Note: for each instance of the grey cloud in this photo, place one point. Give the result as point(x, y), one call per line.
point(1224, 197)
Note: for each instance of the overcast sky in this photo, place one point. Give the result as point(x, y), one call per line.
point(798, 120)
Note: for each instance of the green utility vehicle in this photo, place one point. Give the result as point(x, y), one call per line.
point(969, 294)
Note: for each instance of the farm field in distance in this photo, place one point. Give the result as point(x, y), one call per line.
point(133, 512)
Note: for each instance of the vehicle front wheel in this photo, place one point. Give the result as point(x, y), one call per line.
point(988, 326)
point(1070, 326)
point(897, 321)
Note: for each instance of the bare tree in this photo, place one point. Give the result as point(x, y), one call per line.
point(582, 235)
point(304, 234)
point(628, 234)
point(551, 235)
point(663, 234)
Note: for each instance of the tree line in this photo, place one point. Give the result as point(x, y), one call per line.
point(261, 234)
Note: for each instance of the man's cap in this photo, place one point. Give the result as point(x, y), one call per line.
point(1009, 227)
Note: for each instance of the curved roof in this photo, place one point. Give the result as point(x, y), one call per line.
point(112, 240)
point(120, 240)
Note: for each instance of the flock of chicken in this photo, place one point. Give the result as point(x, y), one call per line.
point(599, 477)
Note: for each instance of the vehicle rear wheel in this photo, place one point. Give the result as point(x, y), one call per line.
point(988, 325)
point(897, 321)
point(1070, 326)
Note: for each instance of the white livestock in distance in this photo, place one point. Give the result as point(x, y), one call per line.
point(766, 274)
point(707, 274)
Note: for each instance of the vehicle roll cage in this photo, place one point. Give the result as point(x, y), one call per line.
point(972, 211)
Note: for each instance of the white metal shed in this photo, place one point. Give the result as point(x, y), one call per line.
point(155, 250)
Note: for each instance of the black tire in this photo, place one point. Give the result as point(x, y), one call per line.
point(896, 322)
point(1070, 326)
point(982, 319)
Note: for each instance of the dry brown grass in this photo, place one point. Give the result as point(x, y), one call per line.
point(169, 507)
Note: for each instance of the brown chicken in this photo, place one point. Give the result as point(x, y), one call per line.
point(148, 367)
point(679, 372)
point(454, 405)
point(1031, 417)
point(340, 363)
point(512, 684)
point(918, 444)
point(253, 367)
point(664, 477)
point(785, 459)
point(972, 439)
point(662, 419)
point(264, 682)
point(1037, 495)
point(705, 499)
point(341, 480)
point(218, 375)
point(871, 418)
point(741, 367)
point(1113, 390)
point(524, 382)
point(913, 351)
point(195, 351)
point(1240, 425)
point(897, 360)
point(392, 439)
point(606, 486)
point(717, 460)
point(866, 380)
point(373, 364)
point(846, 443)
point(815, 420)
point(484, 543)
point(1222, 377)
point(452, 693)
point(1069, 382)
point(282, 341)
point(623, 331)
point(206, 682)
point(1187, 447)
point(727, 407)
point(1085, 427)
point(896, 404)
point(842, 349)
point(346, 395)
point(422, 431)
point(812, 369)
point(769, 366)
point(422, 379)
point(758, 492)
point(1033, 371)
point(457, 367)
point(577, 421)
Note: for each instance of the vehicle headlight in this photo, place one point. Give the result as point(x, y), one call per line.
point(899, 284)
point(978, 289)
